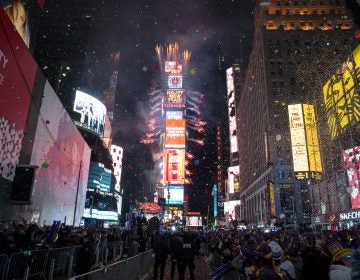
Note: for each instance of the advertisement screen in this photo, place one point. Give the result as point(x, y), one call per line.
point(193, 221)
point(175, 81)
point(174, 99)
point(229, 208)
point(231, 110)
point(17, 77)
point(233, 179)
point(174, 166)
point(99, 177)
point(351, 160)
point(175, 133)
point(272, 198)
point(174, 115)
point(173, 67)
point(342, 100)
point(298, 139)
point(312, 140)
point(176, 195)
point(92, 112)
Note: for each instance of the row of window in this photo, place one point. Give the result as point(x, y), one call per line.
point(308, 25)
point(306, 3)
point(308, 12)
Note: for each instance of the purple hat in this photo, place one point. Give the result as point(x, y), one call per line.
point(336, 250)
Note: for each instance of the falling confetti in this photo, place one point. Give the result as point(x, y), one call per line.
point(44, 165)
point(144, 69)
point(193, 71)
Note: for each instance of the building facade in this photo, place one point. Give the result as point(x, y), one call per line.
point(297, 45)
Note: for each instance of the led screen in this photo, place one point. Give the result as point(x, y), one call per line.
point(341, 96)
point(174, 115)
point(17, 77)
point(176, 195)
point(175, 133)
point(99, 177)
point(229, 208)
point(175, 81)
point(298, 139)
point(174, 166)
point(173, 67)
point(272, 198)
point(231, 110)
point(233, 179)
point(174, 99)
point(193, 221)
point(92, 112)
point(351, 160)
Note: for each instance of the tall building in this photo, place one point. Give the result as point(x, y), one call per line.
point(297, 45)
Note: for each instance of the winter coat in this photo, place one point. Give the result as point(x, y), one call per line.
point(339, 272)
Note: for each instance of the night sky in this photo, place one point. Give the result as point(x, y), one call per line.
point(208, 29)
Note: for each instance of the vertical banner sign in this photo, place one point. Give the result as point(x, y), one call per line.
point(351, 161)
point(215, 200)
point(272, 198)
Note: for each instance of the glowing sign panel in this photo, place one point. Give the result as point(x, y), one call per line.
point(175, 96)
point(174, 166)
point(233, 179)
point(174, 195)
point(173, 67)
point(175, 81)
point(351, 160)
point(298, 139)
point(341, 98)
point(175, 133)
point(231, 110)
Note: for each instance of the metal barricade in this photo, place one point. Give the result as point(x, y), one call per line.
point(3, 264)
point(116, 270)
point(59, 261)
point(74, 259)
point(98, 274)
point(27, 264)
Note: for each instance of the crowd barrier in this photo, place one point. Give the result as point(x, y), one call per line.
point(134, 268)
point(54, 263)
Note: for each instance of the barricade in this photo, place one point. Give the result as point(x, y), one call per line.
point(27, 264)
point(59, 262)
point(3, 264)
point(133, 268)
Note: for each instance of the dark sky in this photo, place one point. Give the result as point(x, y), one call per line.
point(206, 28)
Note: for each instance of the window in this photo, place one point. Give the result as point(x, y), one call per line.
point(315, 12)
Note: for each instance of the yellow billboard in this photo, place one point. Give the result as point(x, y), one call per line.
point(312, 140)
point(272, 199)
point(304, 141)
point(341, 96)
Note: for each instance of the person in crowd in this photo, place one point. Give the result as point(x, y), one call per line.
point(187, 256)
point(175, 254)
point(161, 250)
point(86, 255)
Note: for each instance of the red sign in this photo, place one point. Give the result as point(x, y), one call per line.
point(174, 166)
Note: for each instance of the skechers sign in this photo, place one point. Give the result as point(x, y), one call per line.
point(350, 215)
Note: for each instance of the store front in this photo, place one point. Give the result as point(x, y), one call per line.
point(349, 219)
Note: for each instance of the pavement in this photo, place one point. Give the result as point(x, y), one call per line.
point(202, 271)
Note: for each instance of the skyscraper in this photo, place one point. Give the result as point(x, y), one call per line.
point(297, 45)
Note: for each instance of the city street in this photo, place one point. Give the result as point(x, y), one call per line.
point(202, 271)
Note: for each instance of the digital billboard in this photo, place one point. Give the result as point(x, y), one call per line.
point(175, 133)
point(231, 110)
point(229, 208)
point(176, 195)
point(174, 115)
point(174, 99)
point(18, 72)
point(304, 141)
point(272, 198)
point(193, 221)
point(173, 67)
point(341, 96)
point(298, 139)
point(351, 161)
point(92, 112)
point(99, 177)
point(233, 179)
point(174, 166)
point(175, 81)
point(312, 140)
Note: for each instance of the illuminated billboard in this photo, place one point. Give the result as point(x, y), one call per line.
point(272, 198)
point(174, 99)
point(304, 141)
point(175, 133)
point(176, 195)
point(92, 112)
point(193, 221)
point(175, 81)
point(233, 179)
point(229, 208)
point(99, 177)
point(17, 78)
point(174, 166)
point(174, 115)
point(341, 96)
point(351, 161)
point(231, 110)
point(173, 67)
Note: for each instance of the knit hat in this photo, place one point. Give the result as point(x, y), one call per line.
point(336, 250)
point(277, 252)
